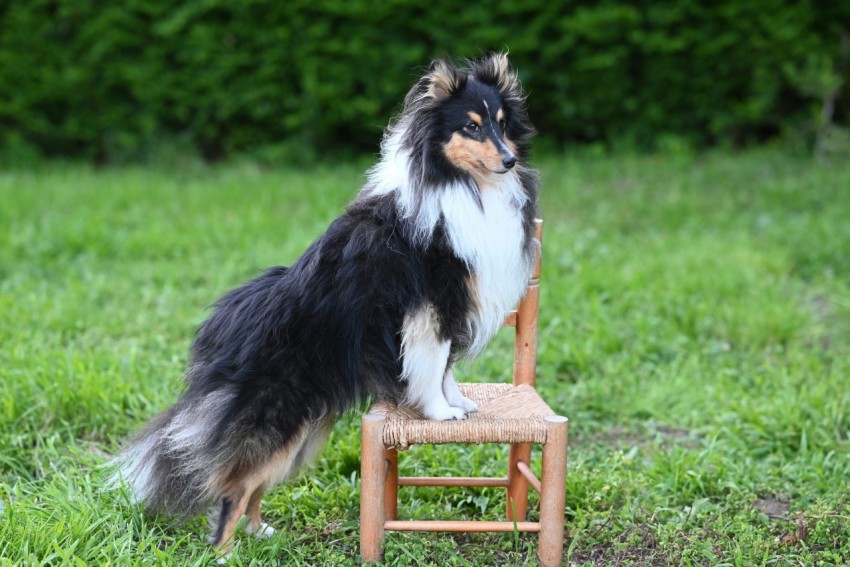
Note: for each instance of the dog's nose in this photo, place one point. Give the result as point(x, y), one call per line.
point(509, 161)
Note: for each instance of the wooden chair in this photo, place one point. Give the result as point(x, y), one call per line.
point(508, 413)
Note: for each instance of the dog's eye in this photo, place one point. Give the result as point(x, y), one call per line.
point(472, 127)
point(503, 124)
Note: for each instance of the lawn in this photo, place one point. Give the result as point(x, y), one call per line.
point(694, 328)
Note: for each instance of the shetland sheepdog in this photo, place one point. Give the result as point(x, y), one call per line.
point(418, 272)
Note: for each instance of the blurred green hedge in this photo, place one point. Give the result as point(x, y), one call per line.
point(117, 80)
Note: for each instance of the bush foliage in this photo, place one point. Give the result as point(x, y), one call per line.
point(115, 80)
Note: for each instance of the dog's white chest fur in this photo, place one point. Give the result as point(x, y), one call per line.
point(490, 239)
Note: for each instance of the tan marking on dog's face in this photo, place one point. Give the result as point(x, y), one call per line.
point(477, 158)
point(500, 115)
point(475, 117)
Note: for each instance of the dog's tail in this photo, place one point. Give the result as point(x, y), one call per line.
point(172, 466)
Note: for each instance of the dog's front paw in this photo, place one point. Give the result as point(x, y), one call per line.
point(466, 404)
point(443, 412)
point(460, 401)
point(451, 413)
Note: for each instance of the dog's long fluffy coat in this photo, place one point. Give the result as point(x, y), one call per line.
point(419, 271)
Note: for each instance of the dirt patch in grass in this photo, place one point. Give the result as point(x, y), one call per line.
point(609, 555)
point(623, 438)
point(636, 546)
point(774, 507)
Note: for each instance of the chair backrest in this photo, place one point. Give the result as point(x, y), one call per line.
point(524, 320)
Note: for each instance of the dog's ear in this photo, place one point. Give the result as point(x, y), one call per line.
point(443, 79)
point(501, 65)
point(437, 84)
point(498, 71)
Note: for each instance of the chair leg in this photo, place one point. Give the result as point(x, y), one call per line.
point(391, 486)
point(517, 484)
point(553, 492)
point(373, 473)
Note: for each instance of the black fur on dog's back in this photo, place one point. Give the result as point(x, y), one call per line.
point(304, 343)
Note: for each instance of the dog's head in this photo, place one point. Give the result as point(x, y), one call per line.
point(472, 118)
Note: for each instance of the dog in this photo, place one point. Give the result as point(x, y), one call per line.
point(417, 273)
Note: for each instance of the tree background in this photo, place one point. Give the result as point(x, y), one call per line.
point(303, 79)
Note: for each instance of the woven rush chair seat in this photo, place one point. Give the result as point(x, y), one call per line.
point(506, 414)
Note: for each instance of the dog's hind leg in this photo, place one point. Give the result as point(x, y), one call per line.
point(245, 490)
point(231, 510)
point(256, 526)
point(243, 496)
point(242, 500)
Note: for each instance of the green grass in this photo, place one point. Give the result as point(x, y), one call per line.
point(695, 324)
